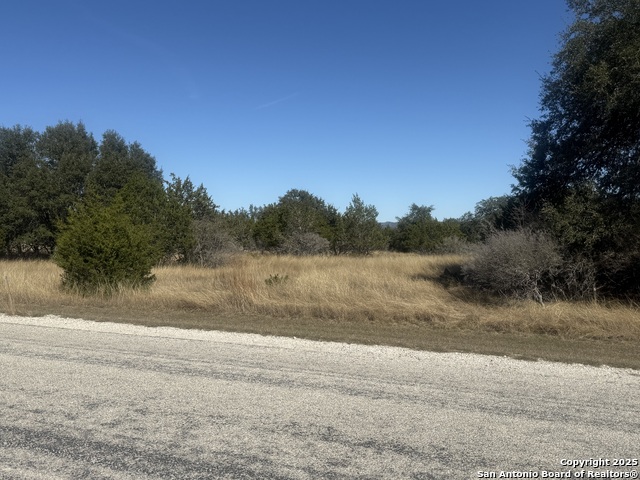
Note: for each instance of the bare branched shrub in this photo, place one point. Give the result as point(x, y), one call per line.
point(214, 246)
point(576, 280)
point(452, 245)
point(520, 264)
point(306, 244)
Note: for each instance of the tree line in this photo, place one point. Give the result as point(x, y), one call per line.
point(48, 179)
point(570, 227)
point(106, 214)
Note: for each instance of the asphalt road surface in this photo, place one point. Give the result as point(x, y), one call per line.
point(99, 400)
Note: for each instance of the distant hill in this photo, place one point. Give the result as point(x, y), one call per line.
point(389, 224)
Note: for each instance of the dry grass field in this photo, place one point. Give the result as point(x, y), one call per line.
point(394, 299)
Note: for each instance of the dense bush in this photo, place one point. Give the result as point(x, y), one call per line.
point(288, 224)
point(147, 203)
point(521, 263)
point(418, 231)
point(101, 249)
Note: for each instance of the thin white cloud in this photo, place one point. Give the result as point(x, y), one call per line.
point(169, 61)
point(279, 100)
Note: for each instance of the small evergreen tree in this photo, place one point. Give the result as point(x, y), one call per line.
point(419, 232)
point(297, 213)
point(361, 233)
point(101, 249)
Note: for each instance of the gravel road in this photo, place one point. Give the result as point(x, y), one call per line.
point(82, 399)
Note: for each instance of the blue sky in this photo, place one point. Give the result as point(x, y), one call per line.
point(400, 101)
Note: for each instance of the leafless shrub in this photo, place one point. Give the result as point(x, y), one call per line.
point(213, 247)
point(576, 280)
point(520, 264)
point(452, 245)
point(305, 244)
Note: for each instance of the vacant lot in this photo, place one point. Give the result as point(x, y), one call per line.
point(393, 299)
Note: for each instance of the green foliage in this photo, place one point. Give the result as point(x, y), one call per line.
point(582, 173)
point(303, 212)
point(147, 203)
point(29, 220)
point(44, 176)
point(414, 232)
point(298, 212)
point(100, 248)
point(578, 222)
point(419, 232)
point(198, 202)
point(589, 130)
point(268, 229)
point(19, 176)
point(490, 216)
point(239, 225)
point(360, 232)
point(117, 162)
point(69, 152)
point(66, 155)
point(16, 144)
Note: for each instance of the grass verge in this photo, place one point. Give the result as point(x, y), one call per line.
point(387, 299)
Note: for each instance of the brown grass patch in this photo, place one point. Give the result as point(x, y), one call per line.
point(395, 295)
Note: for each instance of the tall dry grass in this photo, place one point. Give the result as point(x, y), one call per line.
point(385, 288)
